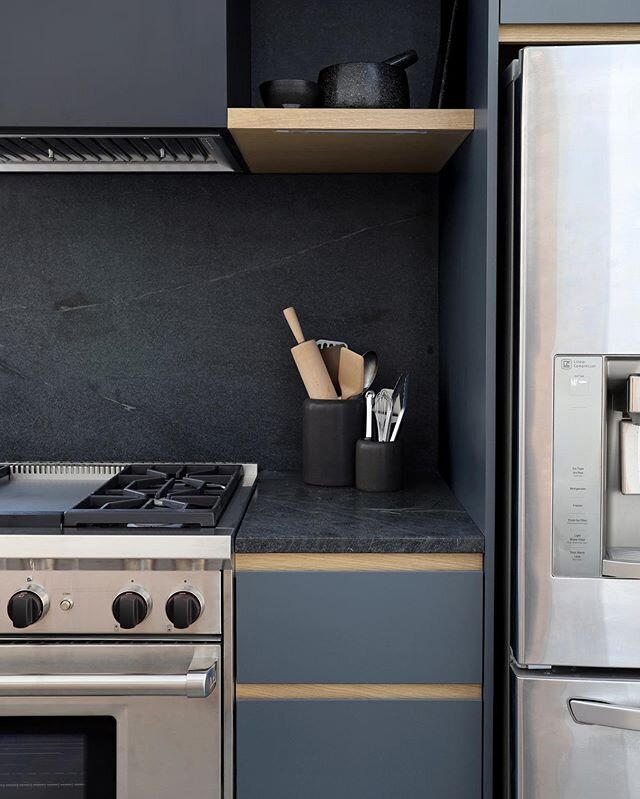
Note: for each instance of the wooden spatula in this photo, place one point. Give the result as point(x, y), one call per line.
point(331, 358)
point(309, 361)
point(350, 373)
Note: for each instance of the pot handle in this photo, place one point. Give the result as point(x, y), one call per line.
point(402, 60)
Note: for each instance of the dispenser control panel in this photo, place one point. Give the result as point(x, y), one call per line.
point(577, 466)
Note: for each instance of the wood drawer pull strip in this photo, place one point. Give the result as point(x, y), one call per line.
point(358, 691)
point(352, 562)
point(569, 34)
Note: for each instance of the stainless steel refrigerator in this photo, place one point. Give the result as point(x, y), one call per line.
point(573, 141)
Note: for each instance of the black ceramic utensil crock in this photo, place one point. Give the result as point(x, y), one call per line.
point(289, 93)
point(330, 429)
point(364, 84)
point(378, 465)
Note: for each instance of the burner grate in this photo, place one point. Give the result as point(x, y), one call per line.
point(159, 495)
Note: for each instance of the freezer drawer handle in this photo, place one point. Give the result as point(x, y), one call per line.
point(605, 715)
point(196, 684)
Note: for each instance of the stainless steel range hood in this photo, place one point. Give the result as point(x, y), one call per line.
point(115, 153)
point(81, 91)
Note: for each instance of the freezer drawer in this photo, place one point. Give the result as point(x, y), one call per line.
point(576, 737)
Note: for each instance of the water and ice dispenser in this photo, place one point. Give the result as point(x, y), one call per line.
point(596, 467)
point(629, 432)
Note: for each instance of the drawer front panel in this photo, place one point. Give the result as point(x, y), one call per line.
point(342, 750)
point(307, 627)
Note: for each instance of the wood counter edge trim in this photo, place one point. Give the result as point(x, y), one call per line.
point(566, 34)
point(461, 119)
point(355, 562)
point(245, 691)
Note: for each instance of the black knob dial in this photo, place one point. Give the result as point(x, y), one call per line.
point(183, 608)
point(130, 609)
point(25, 608)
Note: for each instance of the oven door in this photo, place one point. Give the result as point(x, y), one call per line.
point(577, 736)
point(110, 721)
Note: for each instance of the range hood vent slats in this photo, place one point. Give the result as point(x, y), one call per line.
point(176, 149)
point(81, 148)
point(112, 149)
point(101, 151)
point(14, 146)
point(196, 152)
point(52, 153)
point(44, 152)
point(9, 155)
point(160, 149)
point(62, 150)
point(129, 149)
point(88, 148)
point(32, 147)
point(145, 149)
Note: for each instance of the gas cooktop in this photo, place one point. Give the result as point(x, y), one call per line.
point(161, 495)
point(120, 498)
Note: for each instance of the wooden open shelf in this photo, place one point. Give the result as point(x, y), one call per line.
point(348, 140)
point(569, 34)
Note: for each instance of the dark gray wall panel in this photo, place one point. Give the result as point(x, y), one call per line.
point(141, 315)
point(359, 628)
point(358, 750)
point(560, 11)
point(296, 39)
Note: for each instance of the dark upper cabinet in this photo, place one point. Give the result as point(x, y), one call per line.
point(569, 11)
point(122, 63)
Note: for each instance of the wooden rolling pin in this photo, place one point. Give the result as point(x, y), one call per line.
point(309, 361)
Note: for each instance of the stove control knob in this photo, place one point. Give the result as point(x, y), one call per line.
point(131, 608)
point(183, 609)
point(26, 607)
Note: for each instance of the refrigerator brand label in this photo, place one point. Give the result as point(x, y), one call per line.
point(577, 467)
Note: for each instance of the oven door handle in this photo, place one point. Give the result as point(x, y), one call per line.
point(197, 683)
point(602, 714)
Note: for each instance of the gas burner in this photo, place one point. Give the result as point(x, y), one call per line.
point(159, 495)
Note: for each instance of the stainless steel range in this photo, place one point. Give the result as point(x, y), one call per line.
point(116, 660)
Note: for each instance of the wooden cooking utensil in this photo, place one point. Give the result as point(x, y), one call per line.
point(309, 361)
point(350, 373)
point(331, 358)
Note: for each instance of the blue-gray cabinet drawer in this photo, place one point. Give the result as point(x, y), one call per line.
point(347, 627)
point(569, 11)
point(358, 750)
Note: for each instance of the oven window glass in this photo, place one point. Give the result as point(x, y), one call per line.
point(58, 757)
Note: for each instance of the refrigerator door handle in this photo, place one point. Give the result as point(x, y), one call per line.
point(603, 714)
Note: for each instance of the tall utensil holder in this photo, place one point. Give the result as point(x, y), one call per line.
point(330, 429)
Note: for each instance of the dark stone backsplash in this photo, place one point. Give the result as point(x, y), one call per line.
point(141, 317)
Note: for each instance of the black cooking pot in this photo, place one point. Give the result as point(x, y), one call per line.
point(364, 84)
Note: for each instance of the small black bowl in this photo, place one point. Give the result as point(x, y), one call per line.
point(289, 93)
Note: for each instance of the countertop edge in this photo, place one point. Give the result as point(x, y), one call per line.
point(257, 545)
